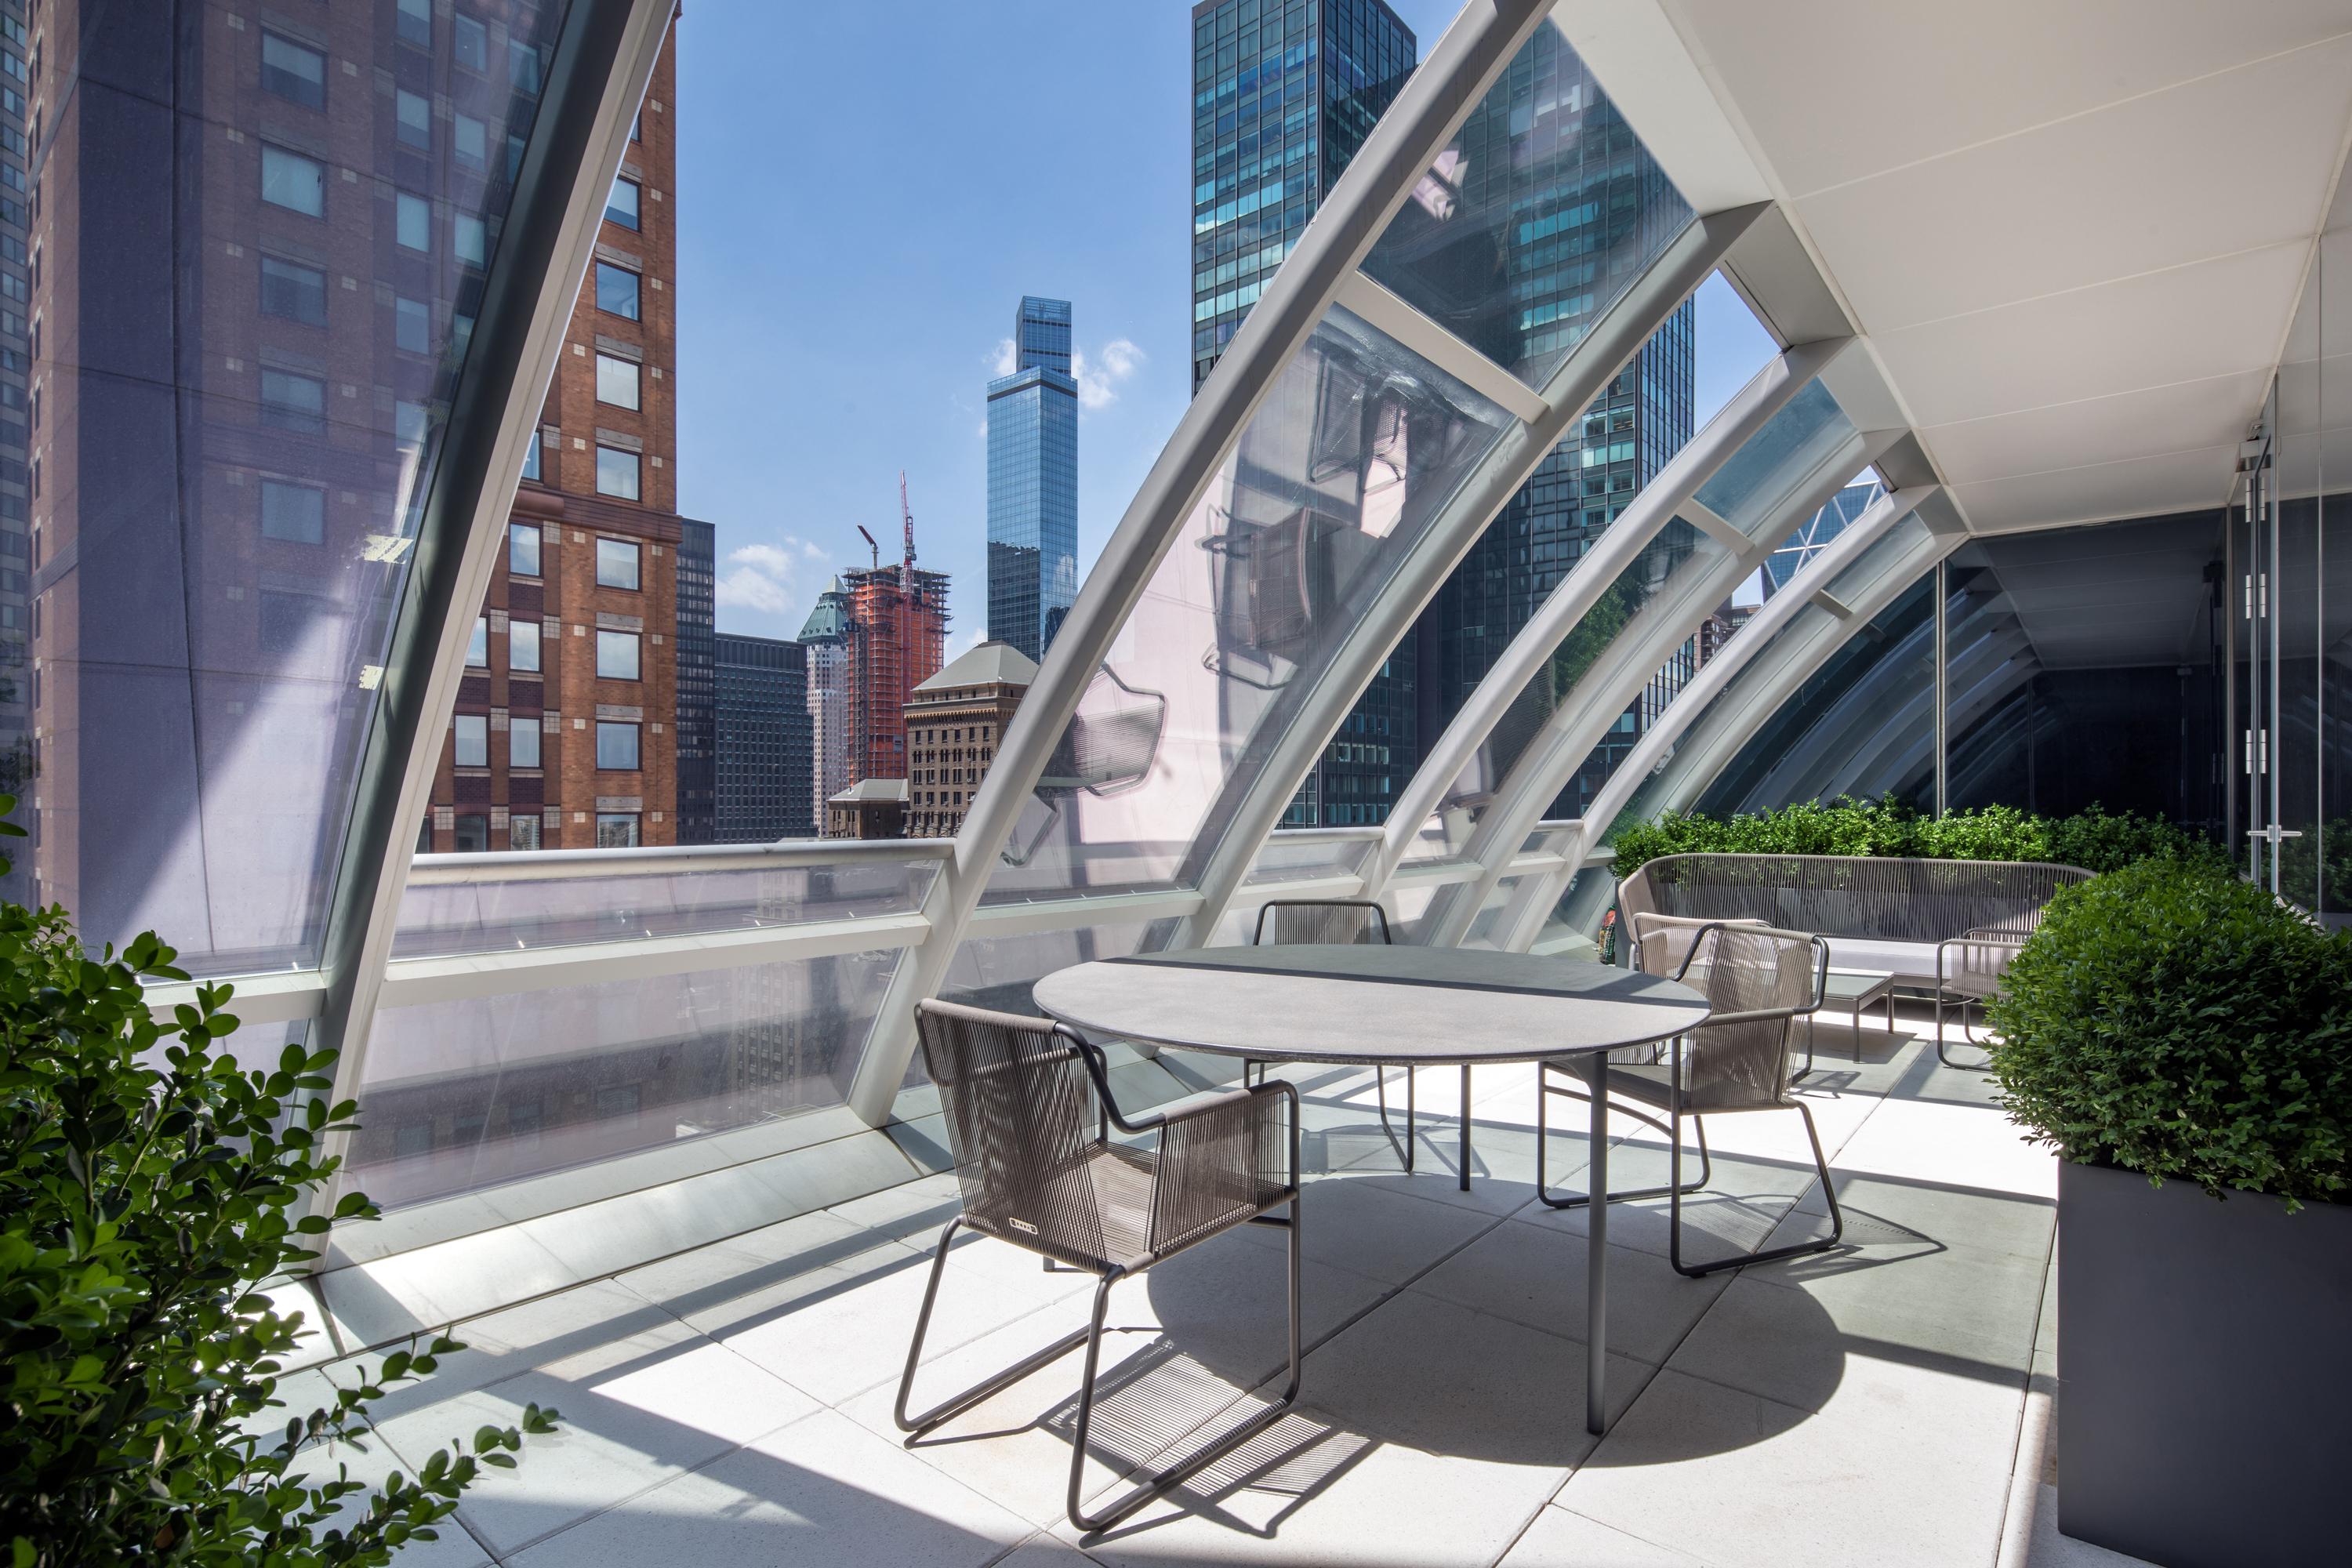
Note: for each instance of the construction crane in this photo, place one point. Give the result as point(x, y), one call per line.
point(876, 549)
point(907, 567)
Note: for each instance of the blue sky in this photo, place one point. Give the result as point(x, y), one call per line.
point(865, 192)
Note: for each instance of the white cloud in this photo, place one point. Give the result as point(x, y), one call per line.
point(1004, 361)
point(761, 576)
point(1098, 379)
point(962, 644)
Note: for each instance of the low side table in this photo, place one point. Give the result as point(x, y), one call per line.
point(1855, 992)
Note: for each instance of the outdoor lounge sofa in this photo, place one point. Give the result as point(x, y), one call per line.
point(1887, 919)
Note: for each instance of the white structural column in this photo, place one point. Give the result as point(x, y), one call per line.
point(1658, 743)
point(1434, 102)
point(1612, 340)
point(1632, 657)
point(601, 64)
point(1650, 511)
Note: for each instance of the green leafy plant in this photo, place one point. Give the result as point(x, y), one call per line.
point(151, 1189)
point(2175, 1020)
point(2092, 839)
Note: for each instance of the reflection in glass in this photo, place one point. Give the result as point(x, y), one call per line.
point(1342, 470)
point(462, 1095)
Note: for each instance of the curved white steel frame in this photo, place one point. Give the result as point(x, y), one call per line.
point(1656, 506)
point(1776, 673)
point(1659, 743)
point(1380, 178)
point(1613, 341)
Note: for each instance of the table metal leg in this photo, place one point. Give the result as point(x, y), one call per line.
point(1596, 1250)
point(1465, 1127)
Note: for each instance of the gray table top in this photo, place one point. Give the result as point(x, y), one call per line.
point(1368, 1003)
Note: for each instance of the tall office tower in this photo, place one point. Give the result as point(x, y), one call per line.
point(697, 611)
point(600, 497)
point(898, 640)
point(832, 674)
point(1033, 483)
point(1284, 91)
point(761, 713)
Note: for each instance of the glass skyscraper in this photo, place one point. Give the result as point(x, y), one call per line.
point(1284, 91)
point(1033, 483)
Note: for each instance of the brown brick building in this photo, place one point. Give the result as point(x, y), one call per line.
point(565, 735)
point(954, 722)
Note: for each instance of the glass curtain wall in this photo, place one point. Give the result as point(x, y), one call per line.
point(264, 251)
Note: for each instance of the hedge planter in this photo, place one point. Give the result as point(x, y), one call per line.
point(2205, 1373)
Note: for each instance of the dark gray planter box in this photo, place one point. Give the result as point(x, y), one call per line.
point(2204, 1372)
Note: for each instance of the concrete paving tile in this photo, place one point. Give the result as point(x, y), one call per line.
point(1372, 1228)
point(1920, 1301)
point(1986, 1220)
point(1332, 1499)
point(915, 1209)
point(1954, 1145)
point(695, 1384)
point(742, 1264)
point(501, 1345)
point(1535, 1275)
point(1728, 1477)
point(370, 1461)
point(1561, 1538)
point(603, 1451)
point(818, 1493)
point(1225, 1302)
point(1738, 1208)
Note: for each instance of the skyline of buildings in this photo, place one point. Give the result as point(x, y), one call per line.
point(1033, 483)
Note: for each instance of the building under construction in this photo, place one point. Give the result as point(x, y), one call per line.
point(898, 637)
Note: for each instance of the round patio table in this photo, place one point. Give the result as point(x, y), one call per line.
point(1381, 1006)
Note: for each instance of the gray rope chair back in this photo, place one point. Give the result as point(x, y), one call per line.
point(1756, 981)
point(1024, 1124)
point(1322, 922)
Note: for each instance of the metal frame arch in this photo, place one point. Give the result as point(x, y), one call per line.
point(1624, 327)
point(1628, 663)
point(596, 78)
point(1434, 102)
point(1747, 412)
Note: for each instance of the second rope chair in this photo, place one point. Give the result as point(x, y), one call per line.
point(1338, 922)
point(1759, 982)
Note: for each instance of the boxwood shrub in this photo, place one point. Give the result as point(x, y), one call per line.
point(2094, 839)
point(2171, 1019)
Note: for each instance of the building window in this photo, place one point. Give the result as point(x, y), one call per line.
point(412, 20)
point(522, 748)
point(297, 514)
point(616, 382)
point(523, 646)
point(522, 832)
point(616, 830)
point(289, 180)
point(621, 207)
point(472, 44)
point(412, 222)
point(616, 473)
point(616, 291)
point(616, 656)
point(293, 291)
point(412, 118)
point(478, 646)
point(616, 564)
point(522, 546)
point(470, 241)
point(290, 70)
point(290, 402)
point(473, 834)
point(473, 733)
point(617, 748)
point(411, 327)
point(523, 69)
point(531, 456)
point(469, 142)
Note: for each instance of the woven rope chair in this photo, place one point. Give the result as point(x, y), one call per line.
point(1972, 968)
point(1759, 982)
point(1029, 1114)
point(1338, 922)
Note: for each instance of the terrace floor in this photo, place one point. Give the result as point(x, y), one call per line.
point(1872, 1404)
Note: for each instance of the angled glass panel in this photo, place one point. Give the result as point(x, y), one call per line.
point(1544, 209)
point(468, 1094)
point(1343, 471)
point(224, 519)
point(1752, 490)
point(506, 901)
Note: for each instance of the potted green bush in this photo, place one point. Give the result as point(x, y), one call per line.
point(2185, 1041)
point(151, 1188)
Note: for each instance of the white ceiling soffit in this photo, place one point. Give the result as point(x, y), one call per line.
point(2073, 234)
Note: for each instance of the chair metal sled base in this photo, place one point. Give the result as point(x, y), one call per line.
point(1091, 1337)
point(1676, 1186)
point(1961, 1007)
